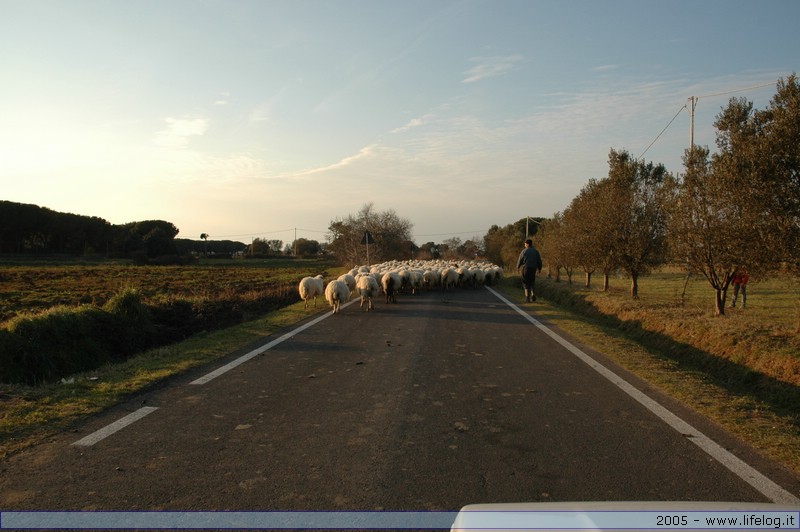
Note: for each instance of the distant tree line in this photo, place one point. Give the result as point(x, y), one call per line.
point(208, 248)
point(31, 229)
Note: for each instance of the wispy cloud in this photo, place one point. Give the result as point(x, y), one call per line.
point(366, 152)
point(604, 68)
point(178, 131)
point(490, 67)
point(263, 112)
point(414, 122)
point(224, 98)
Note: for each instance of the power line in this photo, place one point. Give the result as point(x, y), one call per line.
point(662, 132)
point(694, 102)
point(460, 233)
point(737, 90)
point(254, 233)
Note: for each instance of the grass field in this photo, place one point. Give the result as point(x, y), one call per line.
point(35, 287)
point(741, 370)
point(762, 337)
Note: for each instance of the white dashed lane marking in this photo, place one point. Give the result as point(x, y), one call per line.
point(118, 425)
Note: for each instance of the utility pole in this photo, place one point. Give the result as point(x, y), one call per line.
point(692, 105)
point(527, 224)
point(367, 239)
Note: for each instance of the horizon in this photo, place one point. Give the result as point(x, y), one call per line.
point(252, 119)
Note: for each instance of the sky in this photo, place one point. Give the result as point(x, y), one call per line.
point(270, 119)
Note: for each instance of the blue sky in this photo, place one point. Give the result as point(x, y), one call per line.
point(246, 119)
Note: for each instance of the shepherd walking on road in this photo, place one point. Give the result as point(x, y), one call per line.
point(530, 262)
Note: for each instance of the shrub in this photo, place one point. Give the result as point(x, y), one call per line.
point(131, 327)
point(64, 340)
point(11, 368)
point(50, 345)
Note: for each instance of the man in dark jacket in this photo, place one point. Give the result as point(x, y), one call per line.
point(530, 261)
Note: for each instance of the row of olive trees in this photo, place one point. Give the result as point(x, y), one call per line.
point(616, 223)
point(738, 209)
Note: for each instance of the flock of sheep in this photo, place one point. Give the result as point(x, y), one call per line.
point(397, 276)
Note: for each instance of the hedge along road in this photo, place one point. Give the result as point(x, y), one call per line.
point(441, 400)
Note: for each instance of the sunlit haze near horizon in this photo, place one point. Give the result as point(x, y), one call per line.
point(270, 119)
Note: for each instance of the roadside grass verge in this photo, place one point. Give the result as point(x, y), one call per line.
point(741, 370)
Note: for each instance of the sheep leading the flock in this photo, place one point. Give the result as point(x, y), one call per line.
point(368, 287)
point(310, 288)
point(335, 293)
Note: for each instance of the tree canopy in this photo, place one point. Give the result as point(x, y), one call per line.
point(390, 232)
point(739, 209)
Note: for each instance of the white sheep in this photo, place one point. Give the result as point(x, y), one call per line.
point(394, 276)
point(310, 288)
point(415, 280)
point(335, 293)
point(478, 277)
point(431, 278)
point(349, 280)
point(493, 275)
point(367, 287)
point(391, 283)
point(449, 278)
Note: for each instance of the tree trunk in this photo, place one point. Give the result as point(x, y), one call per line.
point(635, 285)
point(798, 318)
point(588, 279)
point(720, 302)
point(605, 281)
point(685, 284)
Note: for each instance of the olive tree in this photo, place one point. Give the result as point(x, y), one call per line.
point(740, 207)
point(590, 221)
point(708, 233)
point(390, 236)
point(639, 232)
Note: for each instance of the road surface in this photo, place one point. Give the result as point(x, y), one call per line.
point(441, 400)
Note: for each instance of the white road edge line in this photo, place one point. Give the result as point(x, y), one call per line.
point(255, 352)
point(120, 424)
point(764, 485)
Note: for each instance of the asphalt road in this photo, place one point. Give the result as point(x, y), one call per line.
point(438, 401)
